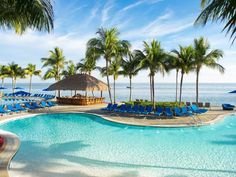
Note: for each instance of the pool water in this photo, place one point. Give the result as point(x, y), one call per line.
point(88, 140)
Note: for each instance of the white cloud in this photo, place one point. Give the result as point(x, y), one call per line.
point(105, 12)
point(161, 26)
point(138, 3)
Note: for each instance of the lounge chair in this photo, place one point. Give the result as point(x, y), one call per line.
point(128, 108)
point(142, 110)
point(159, 111)
point(149, 109)
point(178, 112)
point(19, 107)
point(36, 105)
point(196, 110)
point(122, 108)
point(186, 112)
point(135, 109)
point(43, 104)
point(168, 112)
point(51, 104)
point(3, 111)
point(10, 108)
point(228, 107)
point(28, 106)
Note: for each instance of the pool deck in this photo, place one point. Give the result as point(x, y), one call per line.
point(12, 142)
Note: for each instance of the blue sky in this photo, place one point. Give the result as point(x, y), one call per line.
point(76, 21)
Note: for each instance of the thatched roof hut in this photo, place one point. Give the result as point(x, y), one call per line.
point(83, 82)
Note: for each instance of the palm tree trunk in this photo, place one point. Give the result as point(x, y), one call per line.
point(30, 84)
point(114, 90)
point(197, 80)
point(12, 85)
point(2, 82)
point(108, 82)
point(150, 77)
point(181, 84)
point(153, 92)
point(176, 85)
point(130, 88)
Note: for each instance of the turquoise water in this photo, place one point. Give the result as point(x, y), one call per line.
point(214, 93)
point(91, 141)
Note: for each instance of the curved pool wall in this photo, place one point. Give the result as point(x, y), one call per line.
point(88, 140)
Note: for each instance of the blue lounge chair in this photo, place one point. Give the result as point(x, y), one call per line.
point(128, 108)
point(122, 108)
point(159, 111)
point(50, 103)
point(43, 104)
point(168, 112)
point(114, 107)
point(149, 109)
point(186, 112)
point(10, 108)
point(19, 107)
point(3, 111)
point(178, 112)
point(34, 104)
point(228, 107)
point(196, 110)
point(142, 110)
point(135, 109)
point(28, 106)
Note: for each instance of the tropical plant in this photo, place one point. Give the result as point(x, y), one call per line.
point(22, 14)
point(55, 63)
point(154, 59)
point(3, 73)
point(174, 63)
point(70, 70)
point(185, 57)
point(31, 71)
point(130, 68)
point(114, 71)
point(14, 71)
point(86, 66)
point(204, 57)
point(107, 45)
point(222, 11)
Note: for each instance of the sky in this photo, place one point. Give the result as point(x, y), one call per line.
point(76, 21)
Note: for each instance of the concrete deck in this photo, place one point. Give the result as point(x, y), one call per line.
point(12, 142)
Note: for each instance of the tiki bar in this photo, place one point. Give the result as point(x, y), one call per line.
point(79, 82)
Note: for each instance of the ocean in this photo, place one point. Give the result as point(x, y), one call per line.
point(214, 93)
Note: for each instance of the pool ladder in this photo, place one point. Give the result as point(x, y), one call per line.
point(197, 120)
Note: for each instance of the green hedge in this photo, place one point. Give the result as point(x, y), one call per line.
point(157, 104)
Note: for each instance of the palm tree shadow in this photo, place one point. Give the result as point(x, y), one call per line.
point(231, 140)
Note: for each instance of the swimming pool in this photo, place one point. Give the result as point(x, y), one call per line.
point(86, 145)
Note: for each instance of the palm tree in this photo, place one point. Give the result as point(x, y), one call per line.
point(70, 71)
point(86, 66)
point(3, 73)
point(31, 71)
point(56, 62)
point(220, 11)
point(174, 63)
point(130, 68)
point(185, 57)
point(204, 57)
point(107, 45)
point(20, 15)
point(114, 71)
point(154, 59)
point(15, 71)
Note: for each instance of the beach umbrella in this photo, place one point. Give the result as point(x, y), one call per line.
point(234, 91)
point(2, 88)
point(19, 88)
